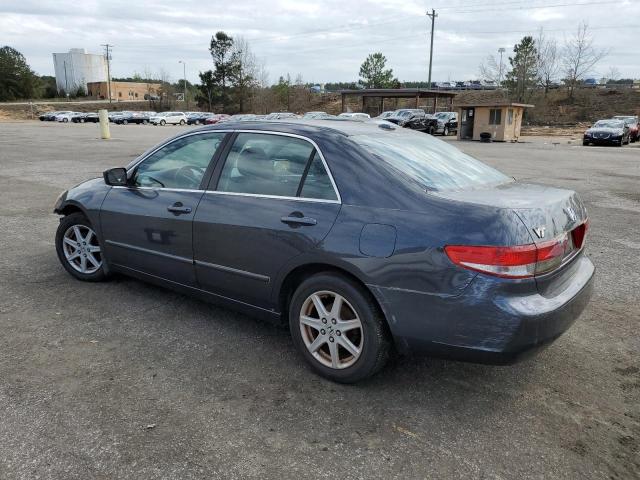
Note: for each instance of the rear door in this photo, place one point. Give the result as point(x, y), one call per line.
point(272, 199)
point(147, 226)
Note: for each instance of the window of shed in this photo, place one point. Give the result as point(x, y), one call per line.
point(495, 116)
point(510, 116)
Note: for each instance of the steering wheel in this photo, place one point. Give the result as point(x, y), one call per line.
point(190, 173)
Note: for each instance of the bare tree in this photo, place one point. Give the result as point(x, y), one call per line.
point(579, 57)
point(245, 73)
point(490, 70)
point(548, 60)
point(613, 74)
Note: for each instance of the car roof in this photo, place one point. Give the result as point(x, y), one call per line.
point(310, 126)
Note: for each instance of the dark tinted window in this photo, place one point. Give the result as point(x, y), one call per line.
point(180, 164)
point(317, 183)
point(265, 164)
point(495, 116)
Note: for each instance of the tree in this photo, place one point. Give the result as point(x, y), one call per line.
point(225, 64)
point(17, 80)
point(490, 70)
point(548, 61)
point(208, 89)
point(523, 75)
point(579, 56)
point(244, 72)
point(283, 91)
point(373, 73)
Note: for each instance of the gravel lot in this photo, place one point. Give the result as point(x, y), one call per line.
point(126, 380)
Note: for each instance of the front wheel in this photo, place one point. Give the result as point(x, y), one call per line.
point(445, 132)
point(338, 328)
point(65, 120)
point(162, 123)
point(79, 249)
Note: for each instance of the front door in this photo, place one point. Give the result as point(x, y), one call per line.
point(466, 123)
point(273, 199)
point(147, 226)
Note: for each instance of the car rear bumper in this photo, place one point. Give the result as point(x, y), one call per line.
point(492, 321)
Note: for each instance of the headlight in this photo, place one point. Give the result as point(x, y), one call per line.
point(587, 134)
point(61, 198)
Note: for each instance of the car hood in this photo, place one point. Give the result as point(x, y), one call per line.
point(605, 130)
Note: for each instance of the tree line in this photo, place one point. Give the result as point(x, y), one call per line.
point(541, 62)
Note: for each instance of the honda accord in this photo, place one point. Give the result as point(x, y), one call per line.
point(366, 238)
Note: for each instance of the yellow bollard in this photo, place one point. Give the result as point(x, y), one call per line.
point(104, 124)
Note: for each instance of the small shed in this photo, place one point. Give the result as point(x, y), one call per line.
point(502, 120)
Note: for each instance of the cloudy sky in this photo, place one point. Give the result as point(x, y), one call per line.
point(323, 40)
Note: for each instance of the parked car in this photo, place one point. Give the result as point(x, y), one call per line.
point(447, 123)
point(79, 117)
point(355, 115)
point(113, 116)
point(171, 118)
point(607, 132)
point(198, 118)
point(385, 115)
point(123, 119)
point(49, 116)
point(65, 117)
point(215, 118)
point(394, 240)
point(634, 126)
point(280, 115)
point(413, 118)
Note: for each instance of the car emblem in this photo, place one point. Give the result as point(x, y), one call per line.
point(572, 214)
point(539, 231)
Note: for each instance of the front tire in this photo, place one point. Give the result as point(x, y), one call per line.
point(162, 123)
point(79, 249)
point(338, 328)
point(445, 132)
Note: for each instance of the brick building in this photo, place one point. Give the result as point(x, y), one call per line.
point(122, 91)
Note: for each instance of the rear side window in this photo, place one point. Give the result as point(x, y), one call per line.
point(432, 163)
point(275, 165)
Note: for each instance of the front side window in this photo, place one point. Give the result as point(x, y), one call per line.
point(433, 164)
point(180, 164)
point(495, 116)
point(275, 165)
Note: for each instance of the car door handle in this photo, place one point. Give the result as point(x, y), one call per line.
point(295, 220)
point(179, 209)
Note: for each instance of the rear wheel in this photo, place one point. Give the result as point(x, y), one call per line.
point(162, 123)
point(445, 132)
point(182, 122)
point(431, 130)
point(337, 327)
point(79, 249)
point(124, 122)
point(65, 120)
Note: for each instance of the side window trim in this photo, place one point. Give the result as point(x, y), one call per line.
point(305, 172)
point(208, 172)
point(213, 183)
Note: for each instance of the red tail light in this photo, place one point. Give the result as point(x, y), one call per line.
point(519, 261)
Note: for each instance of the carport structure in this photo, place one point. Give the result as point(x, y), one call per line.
point(375, 107)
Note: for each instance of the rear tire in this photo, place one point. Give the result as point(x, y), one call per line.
point(162, 123)
point(329, 339)
point(182, 122)
point(445, 132)
point(79, 249)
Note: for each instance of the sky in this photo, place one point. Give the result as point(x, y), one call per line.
point(322, 40)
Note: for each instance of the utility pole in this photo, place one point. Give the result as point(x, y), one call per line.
point(500, 51)
point(432, 16)
point(108, 57)
point(184, 79)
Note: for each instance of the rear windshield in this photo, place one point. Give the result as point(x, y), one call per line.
point(433, 163)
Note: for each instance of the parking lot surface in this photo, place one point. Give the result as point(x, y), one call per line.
point(127, 380)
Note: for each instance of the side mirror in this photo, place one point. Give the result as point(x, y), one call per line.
point(116, 177)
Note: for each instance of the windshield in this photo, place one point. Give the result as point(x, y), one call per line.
point(442, 116)
point(434, 164)
point(609, 124)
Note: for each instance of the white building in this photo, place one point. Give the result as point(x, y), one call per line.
point(77, 68)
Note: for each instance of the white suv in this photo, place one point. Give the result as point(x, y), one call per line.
point(174, 118)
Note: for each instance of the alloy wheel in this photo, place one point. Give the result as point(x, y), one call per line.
point(81, 249)
point(331, 329)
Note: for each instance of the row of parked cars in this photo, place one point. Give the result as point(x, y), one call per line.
point(619, 130)
point(444, 123)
